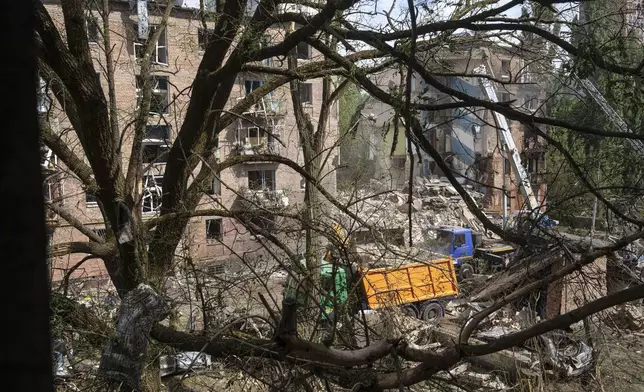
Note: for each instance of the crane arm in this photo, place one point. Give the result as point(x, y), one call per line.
point(612, 115)
point(507, 142)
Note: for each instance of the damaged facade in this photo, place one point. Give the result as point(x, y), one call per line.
point(268, 127)
point(465, 137)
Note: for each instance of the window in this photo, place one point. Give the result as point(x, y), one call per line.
point(505, 97)
point(303, 51)
point(252, 85)
point(264, 222)
point(306, 93)
point(531, 103)
point(160, 102)
point(90, 198)
point(505, 68)
point(93, 34)
point(213, 230)
point(254, 136)
point(102, 232)
point(259, 180)
point(215, 187)
point(459, 240)
point(152, 194)
point(44, 103)
point(203, 37)
point(155, 147)
point(159, 53)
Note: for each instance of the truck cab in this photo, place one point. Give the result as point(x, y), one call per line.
point(467, 250)
point(457, 242)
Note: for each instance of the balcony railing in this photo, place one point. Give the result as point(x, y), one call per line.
point(248, 148)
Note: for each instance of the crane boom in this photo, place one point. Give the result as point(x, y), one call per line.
point(507, 142)
point(612, 115)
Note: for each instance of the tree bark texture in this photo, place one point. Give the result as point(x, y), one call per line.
point(123, 358)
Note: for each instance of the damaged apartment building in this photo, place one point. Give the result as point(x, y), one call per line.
point(267, 127)
point(467, 138)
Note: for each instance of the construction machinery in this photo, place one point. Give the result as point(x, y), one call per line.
point(470, 252)
point(509, 147)
point(418, 287)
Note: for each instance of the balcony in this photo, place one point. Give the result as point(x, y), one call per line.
point(266, 106)
point(267, 198)
point(263, 147)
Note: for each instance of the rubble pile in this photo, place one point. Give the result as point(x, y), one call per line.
point(434, 203)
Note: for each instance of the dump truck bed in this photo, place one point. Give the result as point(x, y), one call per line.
point(410, 283)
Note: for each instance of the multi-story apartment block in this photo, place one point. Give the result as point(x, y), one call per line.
point(267, 127)
point(467, 138)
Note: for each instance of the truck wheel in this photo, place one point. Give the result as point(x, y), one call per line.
point(467, 271)
point(410, 310)
point(431, 311)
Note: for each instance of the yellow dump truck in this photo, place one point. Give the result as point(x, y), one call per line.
point(418, 287)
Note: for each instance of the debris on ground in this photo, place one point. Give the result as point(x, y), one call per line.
point(434, 203)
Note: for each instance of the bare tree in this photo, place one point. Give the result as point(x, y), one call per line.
point(139, 254)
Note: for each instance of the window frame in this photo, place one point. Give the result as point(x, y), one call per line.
point(154, 207)
point(218, 237)
point(161, 144)
point(156, 92)
point(215, 186)
point(154, 58)
point(260, 83)
point(506, 71)
point(263, 181)
point(308, 102)
point(307, 55)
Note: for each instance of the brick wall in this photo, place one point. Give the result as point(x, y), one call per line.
point(183, 58)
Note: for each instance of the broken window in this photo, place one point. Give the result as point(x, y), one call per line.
point(152, 194)
point(93, 33)
point(505, 68)
point(303, 51)
point(203, 38)
point(252, 85)
point(160, 102)
point(155, 146)
point(259, 180)
point(159, 53)
point(214, 230)
point(305, 91)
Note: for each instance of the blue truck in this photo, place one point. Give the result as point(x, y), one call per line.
point(470, 253)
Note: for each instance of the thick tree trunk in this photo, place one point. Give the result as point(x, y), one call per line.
point(124, 356)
